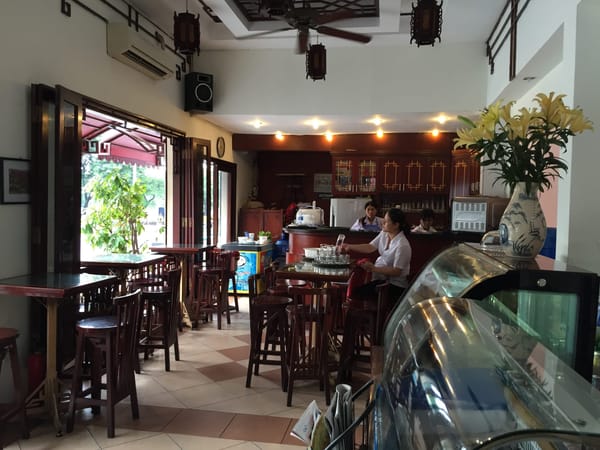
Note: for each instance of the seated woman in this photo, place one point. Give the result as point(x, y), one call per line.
point(370, 221)
point(393, 262)
point(425, 225)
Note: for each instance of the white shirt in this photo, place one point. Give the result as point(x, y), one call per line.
point(419, 229)
point(395, 253)
point(375, 225)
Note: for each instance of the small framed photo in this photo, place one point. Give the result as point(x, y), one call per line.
point(14, 175)
point(322, 183)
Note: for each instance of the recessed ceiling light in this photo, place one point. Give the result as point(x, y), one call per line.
point(329, 136)
point(279, 135)
point(435, 132)
point(315, 123)
point(442, 119)
point(379, 133)
point(257, 123)
point(377, 121)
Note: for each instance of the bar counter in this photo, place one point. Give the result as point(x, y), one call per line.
point(424, 246)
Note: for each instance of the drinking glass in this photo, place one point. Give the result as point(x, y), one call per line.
point(339, 242)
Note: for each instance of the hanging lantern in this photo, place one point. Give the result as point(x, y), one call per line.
point(316, 64)
point(426, 22)
point(187, 33)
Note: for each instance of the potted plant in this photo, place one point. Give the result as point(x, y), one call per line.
point(264, 237)
point(524, 151)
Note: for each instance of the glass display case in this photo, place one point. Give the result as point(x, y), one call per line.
point(551, 301)
point(487, 352)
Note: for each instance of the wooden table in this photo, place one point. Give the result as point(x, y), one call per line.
point(121, 264)
point(320, 275)
point(183, 253)
point(50, 288)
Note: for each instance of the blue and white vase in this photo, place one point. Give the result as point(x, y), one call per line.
point(523, 225)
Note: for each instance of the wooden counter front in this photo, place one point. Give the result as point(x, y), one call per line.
point(424, 246)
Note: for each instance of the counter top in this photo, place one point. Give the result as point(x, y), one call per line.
point(251, 246)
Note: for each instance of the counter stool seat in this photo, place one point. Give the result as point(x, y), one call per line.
point(160, 318)
point(8, 345)
point(268, 335)
point(111, 345)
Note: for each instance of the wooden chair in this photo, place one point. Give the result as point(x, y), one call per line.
point(8, 345)
point(211, 289)
point(159, 318)
point(363, 330)
point(311, 318)
point(111, 342)
point(268, 330)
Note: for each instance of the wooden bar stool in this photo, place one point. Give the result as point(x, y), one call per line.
point(8, 344)
point(111, 342)
point(311, 318)
point(159, 317)
point(211, 290)
point(363, 327)
point(268, 330)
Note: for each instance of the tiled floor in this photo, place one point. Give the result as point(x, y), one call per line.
point(201, 404)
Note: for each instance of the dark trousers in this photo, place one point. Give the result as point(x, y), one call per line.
point(369, 291)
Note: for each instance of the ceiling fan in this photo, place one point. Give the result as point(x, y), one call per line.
point(305, 18)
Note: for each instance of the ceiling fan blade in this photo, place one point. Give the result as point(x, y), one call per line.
point(263, 33)
point(343, 34)
point(302, 43)
point(340, 14)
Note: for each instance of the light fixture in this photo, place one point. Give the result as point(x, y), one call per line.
point(316, 64)
point(279, 136)
point(187, 32)
point(377, 121)
point(379, 133)
point(426, 22)
point(257, 123)
point(315, 123)
point(435, 132)
point(441, 119)
point(329, 136)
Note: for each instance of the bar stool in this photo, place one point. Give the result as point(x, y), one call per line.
point(159, 317)
point(311, 318)
point(8, 344)
point(211, 290)
point(268, 322)
point(363, 326)
point(111, 342)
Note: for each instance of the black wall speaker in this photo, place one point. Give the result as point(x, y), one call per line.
point(198, 92)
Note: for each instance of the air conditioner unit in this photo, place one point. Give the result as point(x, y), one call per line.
point(128, 46)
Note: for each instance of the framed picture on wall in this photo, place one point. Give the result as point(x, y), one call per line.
point(322, 183)
point(14, 176)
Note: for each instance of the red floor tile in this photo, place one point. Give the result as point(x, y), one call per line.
point(199, 423)
point(249, 427)
point(222, 372)
point(236, 353)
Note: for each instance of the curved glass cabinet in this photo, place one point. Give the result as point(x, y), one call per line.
point(552, 302)
point(505, 369)
point(456, 377)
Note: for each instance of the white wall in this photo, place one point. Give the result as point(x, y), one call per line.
point(367, 80)
point(41, 45)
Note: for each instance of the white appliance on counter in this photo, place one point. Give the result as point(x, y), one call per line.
point(343, 212)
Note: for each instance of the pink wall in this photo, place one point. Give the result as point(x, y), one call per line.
point(549, 202)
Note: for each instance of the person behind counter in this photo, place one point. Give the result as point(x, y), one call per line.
point(370, 221)
point(426, 222)
point(393, 262)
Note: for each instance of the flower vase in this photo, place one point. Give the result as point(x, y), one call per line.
point(523, 225)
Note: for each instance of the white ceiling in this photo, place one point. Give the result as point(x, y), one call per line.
point(464, 21)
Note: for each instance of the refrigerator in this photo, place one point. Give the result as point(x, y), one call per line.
point(343, 212)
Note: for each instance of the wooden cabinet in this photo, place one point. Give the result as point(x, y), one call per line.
point(465, 174)
point(355, 175)
point(254, 220)
point(416, 175)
